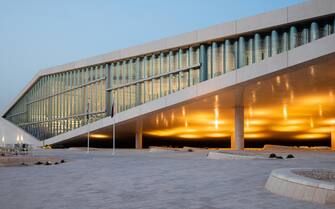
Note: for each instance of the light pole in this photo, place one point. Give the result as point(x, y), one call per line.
point(113, 115)
point(113, 152)
point(3, 141)
point(88, 125)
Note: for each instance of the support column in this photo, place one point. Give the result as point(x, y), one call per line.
point(237, 138)
point(138, 134)
point(332, 144)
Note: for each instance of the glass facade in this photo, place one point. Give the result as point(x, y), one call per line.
point(63, 101)
point(60, 102)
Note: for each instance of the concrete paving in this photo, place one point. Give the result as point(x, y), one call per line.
point(139, 179)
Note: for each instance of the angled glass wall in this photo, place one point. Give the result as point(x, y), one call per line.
point(60, 102)
point(63, 101)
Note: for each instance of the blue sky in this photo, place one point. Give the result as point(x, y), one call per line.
point(37, 34)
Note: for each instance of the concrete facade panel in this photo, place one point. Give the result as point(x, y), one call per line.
point(217, 31)
point(181, 96)
point(320, 47)
point(310, 9)
point(262, 21)
point(262, 68)
point(181, 40)
point(142, 49)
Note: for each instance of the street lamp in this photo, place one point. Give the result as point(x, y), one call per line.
point(3, 141)
point(88, 125)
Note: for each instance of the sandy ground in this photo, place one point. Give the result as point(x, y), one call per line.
point(140, 179)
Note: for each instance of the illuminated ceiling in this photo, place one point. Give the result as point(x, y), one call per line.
point(297, 104)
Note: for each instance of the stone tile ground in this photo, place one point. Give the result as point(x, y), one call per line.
point(139, 179)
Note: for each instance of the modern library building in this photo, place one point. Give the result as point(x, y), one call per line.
point(266, 79)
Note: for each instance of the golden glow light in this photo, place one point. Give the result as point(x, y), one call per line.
point(218, 135)
point(292, 120)
point(216, 112)
point(189, 136)
point(99, 136)
point(216, 124)
point(311, 123)
point(311, 136)
point(285, 111)
point(250, 112)
point(312, 71)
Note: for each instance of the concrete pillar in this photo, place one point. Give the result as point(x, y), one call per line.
point(332, 144)
point(237, 138)
point(138, 135)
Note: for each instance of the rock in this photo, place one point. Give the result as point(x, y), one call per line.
point(272, 155)
point(62, 161)
point(56, 163)
point(38, 163)
point(279, 157)
point(289, 156)
point(190, 150)
point(48, 163)
point(23, 164)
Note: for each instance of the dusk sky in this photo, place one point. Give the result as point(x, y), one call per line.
point(38, 34)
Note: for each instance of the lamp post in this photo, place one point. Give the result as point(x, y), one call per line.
point(88, 125)
point(113, 114)
point(3, 141)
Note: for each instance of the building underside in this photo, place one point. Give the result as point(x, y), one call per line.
point(267, 79)
point(295, 107)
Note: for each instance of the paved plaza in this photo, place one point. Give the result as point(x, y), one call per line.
point(142, 179)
